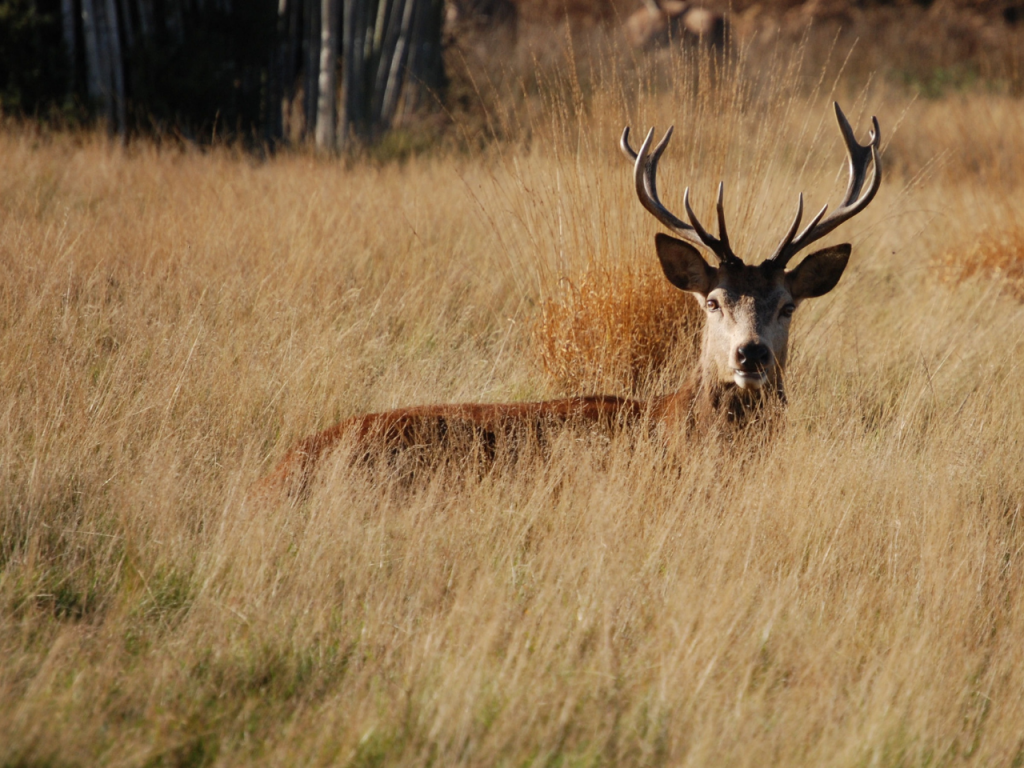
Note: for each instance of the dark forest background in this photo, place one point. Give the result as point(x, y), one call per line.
point(196, 68)
point(338, 73)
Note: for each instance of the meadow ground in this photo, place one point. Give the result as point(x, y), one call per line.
point(847, 593)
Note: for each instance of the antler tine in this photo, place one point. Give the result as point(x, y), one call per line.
point(624, 145)
point(722, 234)
point(792, 230)
point(645, 166)
point(858, 158)
point(651, 175)
point(645, 170)
point(813, 222)
point(628, 150)
point(789, 238)
point(719, 246)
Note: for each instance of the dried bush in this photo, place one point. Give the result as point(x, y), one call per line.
point(998, 254)
point(614, 329)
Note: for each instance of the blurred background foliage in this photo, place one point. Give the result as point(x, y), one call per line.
point(266, 73)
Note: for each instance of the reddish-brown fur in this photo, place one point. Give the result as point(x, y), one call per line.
point(490, 425)
point(405, 428)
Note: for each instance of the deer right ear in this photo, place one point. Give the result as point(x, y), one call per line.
point(818, 273)
point(683, 265)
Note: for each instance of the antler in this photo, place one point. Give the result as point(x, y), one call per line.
point(645, 169)
point(853, 203)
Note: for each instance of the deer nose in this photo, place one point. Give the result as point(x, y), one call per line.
point(754, 356)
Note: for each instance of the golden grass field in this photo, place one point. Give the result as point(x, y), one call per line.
point(847, 592)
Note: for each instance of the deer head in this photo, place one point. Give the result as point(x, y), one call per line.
point(749, 306)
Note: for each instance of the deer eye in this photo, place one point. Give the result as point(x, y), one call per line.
point(787, 310)
point(712, 305)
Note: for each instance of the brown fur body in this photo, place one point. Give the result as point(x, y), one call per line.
point(488, 426)
point(700, 405)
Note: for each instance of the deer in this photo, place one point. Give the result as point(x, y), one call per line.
point(659, 22)
point(738, 378)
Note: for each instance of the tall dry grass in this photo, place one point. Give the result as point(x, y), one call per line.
point(849, 593)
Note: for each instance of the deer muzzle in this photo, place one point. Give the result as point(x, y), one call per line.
point(752, 362)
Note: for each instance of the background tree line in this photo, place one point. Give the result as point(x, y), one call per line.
point(264, 70)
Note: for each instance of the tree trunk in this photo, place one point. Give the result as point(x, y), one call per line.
point(380, 27)
point(426, 63)
point(67, 14)
point(274, 117)
point(175, 20)
point(94, 73)
point(312, 66)
point(116, 63)
point(292, 54)
point(275, 79)
point(385, 50)
point(106, 68)
point(126, 24)
point(145, 19)
point(352, 53)
point(396, 75)
point(327, 101)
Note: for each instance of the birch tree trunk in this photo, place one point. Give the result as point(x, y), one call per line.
point(385, 42)
point(396, 74)
point(327, 102)
point(385, 39)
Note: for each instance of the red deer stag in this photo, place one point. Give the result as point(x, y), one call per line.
point(743, 354)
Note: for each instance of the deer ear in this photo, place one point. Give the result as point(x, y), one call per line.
point(818, 273)
point(683, 265)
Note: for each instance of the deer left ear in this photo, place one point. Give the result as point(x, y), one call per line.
point(818, 273)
